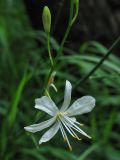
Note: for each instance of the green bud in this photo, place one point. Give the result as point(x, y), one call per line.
point(46, 18)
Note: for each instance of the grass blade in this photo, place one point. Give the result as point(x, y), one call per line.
point(89, 151)
point(16, 99)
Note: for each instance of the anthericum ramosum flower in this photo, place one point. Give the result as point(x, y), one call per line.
point(62, 119)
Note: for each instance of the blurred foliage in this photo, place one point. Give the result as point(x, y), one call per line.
point(23, 66)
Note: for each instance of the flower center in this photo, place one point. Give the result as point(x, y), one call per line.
point(59, 115)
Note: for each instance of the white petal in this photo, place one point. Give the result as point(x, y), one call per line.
point(50, 133)
point(40, 126)
point(47, 105)
point(67, 96)
point(82, 105)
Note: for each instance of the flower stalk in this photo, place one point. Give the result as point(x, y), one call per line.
point(70, 23)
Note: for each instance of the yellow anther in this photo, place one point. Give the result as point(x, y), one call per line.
point(89, 137)
point(70, 148)
point(79, 139)
point(76, 137)
point(73, 136)
point(81, 124)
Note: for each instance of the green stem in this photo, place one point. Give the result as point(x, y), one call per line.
point(67, 31)
point(63, 42)
point(100, 63)
point(62, 45)
point(49, 50)
point(76, 13)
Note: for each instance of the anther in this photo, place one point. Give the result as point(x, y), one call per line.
point(81, 124)
point(70, 148)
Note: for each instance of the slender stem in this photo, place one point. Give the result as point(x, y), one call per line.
point(49, 51)
point(63, 42)
point(67, 31)
point(76, 13)
point(61, 46)
point(99, 63)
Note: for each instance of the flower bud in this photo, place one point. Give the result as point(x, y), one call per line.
point(46, 18)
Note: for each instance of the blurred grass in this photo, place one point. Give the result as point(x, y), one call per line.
point(23, 67)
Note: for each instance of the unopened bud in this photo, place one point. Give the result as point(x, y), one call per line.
point(46, 18)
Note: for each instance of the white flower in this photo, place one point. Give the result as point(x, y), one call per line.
point(62, 119)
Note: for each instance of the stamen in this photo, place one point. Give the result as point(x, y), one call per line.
point(76, 127)
point(67, 128)
point(75, 121)
point(75, 135)
point(80, 131)
point(62, 132)
point(70, 147)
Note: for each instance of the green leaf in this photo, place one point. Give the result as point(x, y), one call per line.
point(90, 150)
point(16, 98)
point(112, 154)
